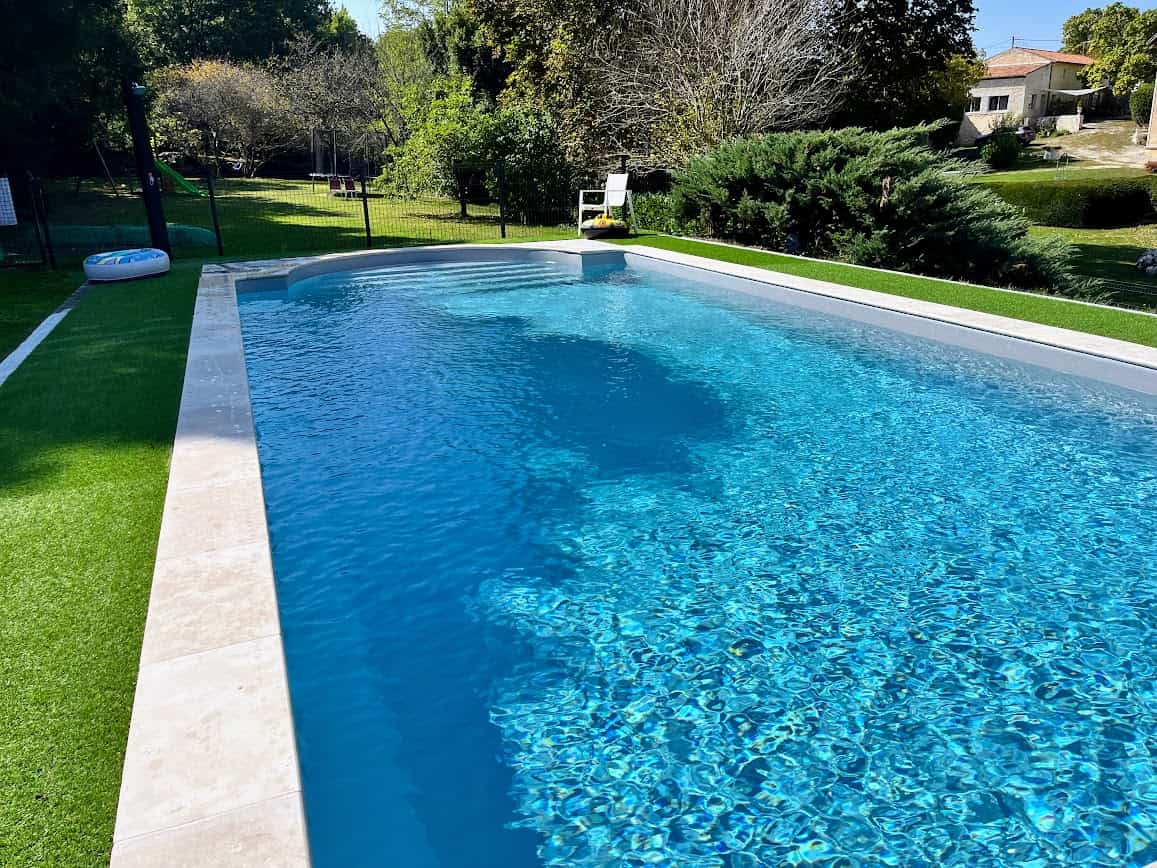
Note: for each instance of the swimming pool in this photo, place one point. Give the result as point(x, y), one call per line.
point(616, 566)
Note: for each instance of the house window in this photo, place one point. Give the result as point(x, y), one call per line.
point(998, 103)
point(1031, 100)
point(973, 104)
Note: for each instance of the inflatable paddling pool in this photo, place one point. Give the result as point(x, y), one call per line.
point(126, 264)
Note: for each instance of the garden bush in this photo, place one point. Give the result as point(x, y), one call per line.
point(1141, 104)
point(459, 141)
point(1001, 152)
point(1080, 203)
point(870, 198)
point(656, 212)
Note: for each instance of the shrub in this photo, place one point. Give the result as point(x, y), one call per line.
point(1079, 203)
point(1001, 152)
point(1141, 104)
point(656, 212)
point(459, 140)
point(879, 199)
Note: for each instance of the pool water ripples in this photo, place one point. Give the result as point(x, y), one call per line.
point(621, 569)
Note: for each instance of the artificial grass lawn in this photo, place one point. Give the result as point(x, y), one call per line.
point(27, 297)
point(268, 218)
point(86, 429)
point(1121, 324)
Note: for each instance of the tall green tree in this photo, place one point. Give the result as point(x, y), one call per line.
point(60, 71)
point(1117, 38)
point(907, 59)
point(180, 31)
point(455, 41)
point(341, 31)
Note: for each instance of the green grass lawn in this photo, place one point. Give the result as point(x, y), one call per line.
point(27, 297)
point(1046, 310)
point(86, 429)
point(1108, 253)
point(269, 217)
point(1035, 171)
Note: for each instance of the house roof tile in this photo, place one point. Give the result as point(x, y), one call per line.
point(1060, 56)
point(1012, 70)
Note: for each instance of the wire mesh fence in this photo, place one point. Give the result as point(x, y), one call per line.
point(25, 237)
point(267, 217)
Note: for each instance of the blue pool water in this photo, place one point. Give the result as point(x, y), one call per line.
point(624, 570)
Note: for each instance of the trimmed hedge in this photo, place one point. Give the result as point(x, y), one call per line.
point(1080, 203)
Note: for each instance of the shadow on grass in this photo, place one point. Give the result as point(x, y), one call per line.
point(110, 373)
point(86, 425)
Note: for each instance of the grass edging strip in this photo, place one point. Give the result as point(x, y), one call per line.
point(1139, 328)
point(12, 361)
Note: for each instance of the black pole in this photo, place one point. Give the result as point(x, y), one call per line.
point(146, 165)
point(366, 211)
point(500, 174)
point(213, 209)
point(42, 208)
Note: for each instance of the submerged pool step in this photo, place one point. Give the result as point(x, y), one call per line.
point(471, 281)
point(456, 269)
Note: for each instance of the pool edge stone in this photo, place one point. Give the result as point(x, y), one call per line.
point(211, 775)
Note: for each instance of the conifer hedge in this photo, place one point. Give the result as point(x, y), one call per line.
point(870, 198)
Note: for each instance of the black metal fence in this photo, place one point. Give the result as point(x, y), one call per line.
point(25, 230)
point(266, 217)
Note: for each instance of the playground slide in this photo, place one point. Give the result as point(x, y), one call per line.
point(179, 179)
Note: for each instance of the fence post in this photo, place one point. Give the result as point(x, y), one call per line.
point(40, 212)
point(366, 211)
point(500, 173)
point(213, 209)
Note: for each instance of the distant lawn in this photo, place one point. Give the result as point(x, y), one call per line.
point(1037, 172)
point(27, 297)
point(86, 429)
point(1109, 253)
point(1047, 310)
point(267, 218)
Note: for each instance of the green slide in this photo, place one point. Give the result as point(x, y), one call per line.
point(179, 179)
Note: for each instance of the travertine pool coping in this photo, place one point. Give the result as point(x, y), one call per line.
point(211, 775)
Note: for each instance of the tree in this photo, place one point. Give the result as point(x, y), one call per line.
point(331, 90)
point(456, 42)
point(405, 79)
point(546, 44)
point(226, 111)
point(60, 72)
point(341, 31)
point(681, 76)
point(175, 32)
point(1117, 38)
point(908, 59)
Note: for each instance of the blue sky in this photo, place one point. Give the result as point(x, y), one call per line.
point(1036, 22)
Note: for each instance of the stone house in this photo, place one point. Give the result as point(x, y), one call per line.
point(1029, 83)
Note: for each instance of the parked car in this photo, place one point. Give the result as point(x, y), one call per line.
point(1024, 134)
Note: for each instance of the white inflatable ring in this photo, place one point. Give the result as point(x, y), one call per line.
point(126, 264)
